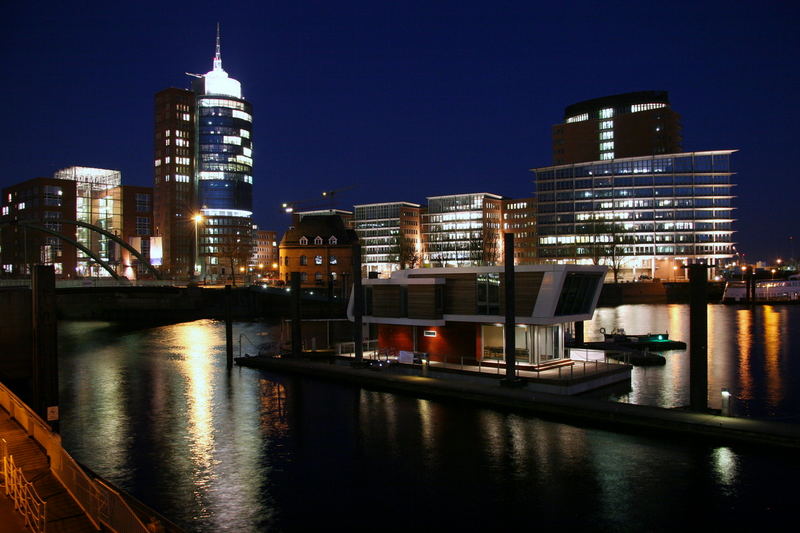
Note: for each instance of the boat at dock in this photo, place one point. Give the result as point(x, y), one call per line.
point(766, 291)
point(656, 342)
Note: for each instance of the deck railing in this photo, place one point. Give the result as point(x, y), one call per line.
point(22, 492)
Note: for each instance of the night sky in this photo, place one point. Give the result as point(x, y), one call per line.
point(404, 100)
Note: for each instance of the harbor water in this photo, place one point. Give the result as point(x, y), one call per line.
point(155, 411)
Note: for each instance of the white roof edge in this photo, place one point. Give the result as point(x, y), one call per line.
point(641, 157)
point(496, 196)
point(410, 204)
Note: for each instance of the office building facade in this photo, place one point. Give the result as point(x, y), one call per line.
point(390, 236)
point(42, 201)
point(463, 230)
point(264, 261)
point(519, 218)
point(639, 215)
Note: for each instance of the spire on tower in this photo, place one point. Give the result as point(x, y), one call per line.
point(218, 56)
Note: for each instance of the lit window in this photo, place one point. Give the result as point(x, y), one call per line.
point(606, 125)
point(607, 112)
point(157, 163)
point(646, 107)
point(232, 139)
point(605, 135)
point(607, 146)
point(578, 118)
point(607, 155)
point(242, 115)
point(317, 259)
point(332, 259)
point(244, 133)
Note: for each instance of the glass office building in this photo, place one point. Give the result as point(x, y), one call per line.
point(463, 230)
point(639, 215)
point(224, 171)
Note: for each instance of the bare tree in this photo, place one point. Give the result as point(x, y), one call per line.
point(407, 254)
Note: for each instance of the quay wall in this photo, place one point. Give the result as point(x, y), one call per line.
point(653, 292)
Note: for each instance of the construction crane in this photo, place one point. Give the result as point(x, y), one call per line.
point(332, 194)
point(289, 207)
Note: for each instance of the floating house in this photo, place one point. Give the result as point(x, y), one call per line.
point(453, 313)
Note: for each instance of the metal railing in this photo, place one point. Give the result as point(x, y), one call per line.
point(26, 500)
point(100, 503)
point(349, 348)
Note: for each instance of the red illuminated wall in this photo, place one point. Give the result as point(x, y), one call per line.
point(455, 340)
point(398, 337)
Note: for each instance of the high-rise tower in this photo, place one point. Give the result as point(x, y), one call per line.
point(204, 175)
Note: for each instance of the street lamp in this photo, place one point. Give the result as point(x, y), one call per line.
point(197, 219)
point(744, 269)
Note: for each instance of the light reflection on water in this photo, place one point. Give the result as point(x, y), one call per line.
point(749, 353)
point(156, 412)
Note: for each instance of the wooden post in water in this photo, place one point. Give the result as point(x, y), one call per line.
point(698, 338)
point(297, 337)
point(358, 306)
point(228, 328)
point(511, 311)
point(45, 345)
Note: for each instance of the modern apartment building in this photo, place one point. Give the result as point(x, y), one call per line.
point(390, 236)
point(204, 175)
point(613, 127)
point(638, 215)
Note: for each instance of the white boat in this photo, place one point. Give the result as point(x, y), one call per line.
point(776, 290)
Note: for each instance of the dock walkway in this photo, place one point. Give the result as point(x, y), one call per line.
point(485, 391)
point(64, 515)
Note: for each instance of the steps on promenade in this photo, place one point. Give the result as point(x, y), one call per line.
point(64, 515)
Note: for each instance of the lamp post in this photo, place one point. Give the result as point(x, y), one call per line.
point(197, 219)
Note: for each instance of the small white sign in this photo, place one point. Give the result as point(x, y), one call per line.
point(52, 413)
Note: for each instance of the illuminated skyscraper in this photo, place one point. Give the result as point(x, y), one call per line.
point(204, 175)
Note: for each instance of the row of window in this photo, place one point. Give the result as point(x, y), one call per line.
point(318, 260)
point(318, 240)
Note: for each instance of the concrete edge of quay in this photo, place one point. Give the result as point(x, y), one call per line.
point(610, 415)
